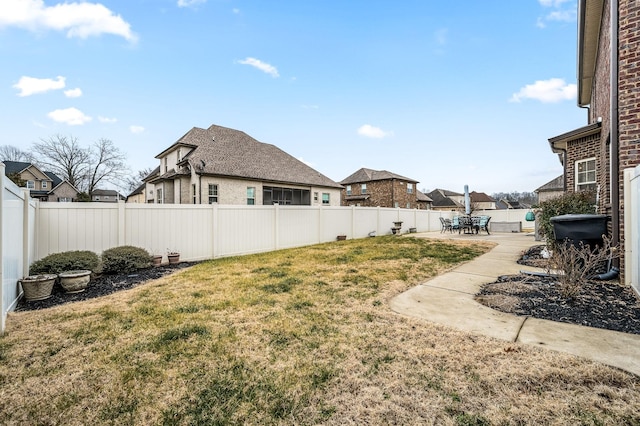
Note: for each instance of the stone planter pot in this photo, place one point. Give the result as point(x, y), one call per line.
point(75, 281)
point(37, 287)
point(173, 258)
point(157, 260)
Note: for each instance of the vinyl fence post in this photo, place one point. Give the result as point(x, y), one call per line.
point(2, 311)
point(121, 224)
point(214, 230)
point(25, 233)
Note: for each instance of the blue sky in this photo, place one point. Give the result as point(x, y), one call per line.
point(446, 93)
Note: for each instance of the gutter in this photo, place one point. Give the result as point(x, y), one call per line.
point(615, 142)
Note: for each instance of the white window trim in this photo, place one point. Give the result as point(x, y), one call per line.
point(578, 185)
point(31, 184)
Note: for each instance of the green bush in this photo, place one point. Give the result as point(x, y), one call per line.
point(66, 261)
point(125, 259)
point(570, 203)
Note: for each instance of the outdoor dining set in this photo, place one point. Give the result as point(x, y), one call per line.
point(467, 224)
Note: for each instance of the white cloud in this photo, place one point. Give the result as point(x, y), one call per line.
point(235, 10)
point(190, 3)
point(262, 66)
point(70, 116)
point(107, 120)
point(30, 85)
point(136, 129)
point(561, 11)
point(77, 19)
point(73, 93)
point(310, 107)
point(441, 36)
point(547, 91)
point(370, 131)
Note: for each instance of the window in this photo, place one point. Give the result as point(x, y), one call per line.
point(408, 205)
point(363, 188)
point(251, 196)
point(65, 199)
point(213, 193)
point(31, 184)
point(325, 198)
point(179, 157)
point(286, 196)
point(348, 189)
point(586, 175)
point(193, 190)
point(315, 197)
point(96, 198)
point(166, 165)
point(159, 193)
point(409, 188)
point(44, 184)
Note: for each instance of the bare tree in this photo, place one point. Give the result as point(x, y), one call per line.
point(106, 165)
point(84, 168)
point(134, 181)
point(11, 153)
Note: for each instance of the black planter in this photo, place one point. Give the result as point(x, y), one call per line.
point(577, 228)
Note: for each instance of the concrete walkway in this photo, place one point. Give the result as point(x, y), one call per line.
point(448, 299)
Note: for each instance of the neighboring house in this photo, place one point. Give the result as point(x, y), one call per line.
point(380, 188)
point(446, 200)
point(504, 204)
point(227, 166)
point(595, 156)
point(45, 186)
point(481, 201)
point(106, 196)
point(552, 189)
point(424, 202)
point(62, 190)
point(138, 194)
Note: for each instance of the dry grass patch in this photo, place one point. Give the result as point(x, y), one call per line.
point(301, 336)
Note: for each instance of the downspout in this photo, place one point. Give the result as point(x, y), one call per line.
point(615, 143)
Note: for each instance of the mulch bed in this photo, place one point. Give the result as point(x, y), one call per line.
point(601, 304)
point(103, 285)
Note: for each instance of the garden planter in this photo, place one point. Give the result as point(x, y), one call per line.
point(38, 287)
point(75, 281)
point(157, 260)
point(341, 237)
point(173, 258)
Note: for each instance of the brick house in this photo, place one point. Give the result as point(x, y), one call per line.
point(595, 156)
point(380, 188)
point(227, 166)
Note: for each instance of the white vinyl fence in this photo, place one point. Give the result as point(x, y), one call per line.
point(32, 230)
point(631, 227)
point(17, 214)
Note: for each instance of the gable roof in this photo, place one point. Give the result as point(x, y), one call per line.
point(54, 178)
point(480, 197)
point(420, 196)
point(221, 151)
point(369, 175)
point(556, 184)
point(15, 166)
point(107, 192)
point(441, 198)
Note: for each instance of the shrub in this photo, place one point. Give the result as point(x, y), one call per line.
point(570, 203)
point(66, 261)
point(125, 259)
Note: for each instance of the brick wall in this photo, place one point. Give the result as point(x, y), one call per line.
point(383, 193)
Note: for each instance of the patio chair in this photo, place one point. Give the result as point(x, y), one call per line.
point(455, 224)
point(448, 226)
point(484, 223)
